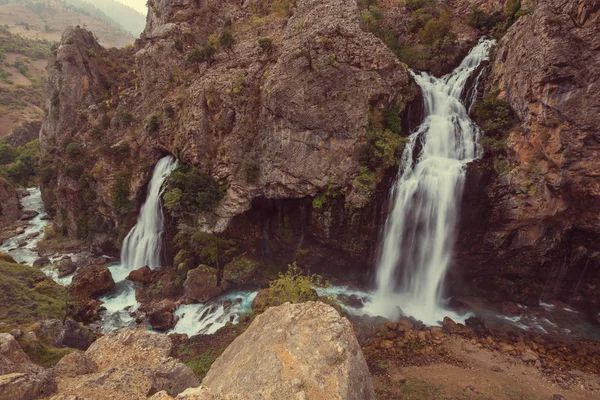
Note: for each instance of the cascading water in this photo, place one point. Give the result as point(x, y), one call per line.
point(419, 233)
point(141, 247)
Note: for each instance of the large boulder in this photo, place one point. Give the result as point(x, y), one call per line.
point(91, 281)
point(128, 364)
point(20, 379)
point(201, 284)
point(18, 386)
point(293, 351)
point(13, 358)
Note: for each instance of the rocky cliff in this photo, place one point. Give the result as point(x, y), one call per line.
point(288, 117)
point(10, 208)
point(537, 193)
point(271, 101)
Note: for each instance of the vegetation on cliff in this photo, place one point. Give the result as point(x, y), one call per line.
point(28, 295)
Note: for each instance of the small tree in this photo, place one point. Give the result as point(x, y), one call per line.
point(202, 54)
point(227, 41)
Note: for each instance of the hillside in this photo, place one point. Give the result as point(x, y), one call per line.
point(22, 79)
point(47, 20)
point(127, 18)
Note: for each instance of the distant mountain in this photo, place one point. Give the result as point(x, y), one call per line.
point(127, 18)
point(47, 19)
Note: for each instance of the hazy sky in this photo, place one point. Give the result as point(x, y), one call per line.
point(139, 5)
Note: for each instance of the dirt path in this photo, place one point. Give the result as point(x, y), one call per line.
point(482, 374)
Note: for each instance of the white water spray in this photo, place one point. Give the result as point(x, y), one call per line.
point(143, 244)
point(419, 233)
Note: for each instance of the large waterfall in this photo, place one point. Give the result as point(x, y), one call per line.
point(143, 244)
point(419, 233)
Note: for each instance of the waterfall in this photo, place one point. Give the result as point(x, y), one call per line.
point(419, 232)
point(143, 244)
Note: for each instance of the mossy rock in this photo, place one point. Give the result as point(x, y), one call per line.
point(240, 269)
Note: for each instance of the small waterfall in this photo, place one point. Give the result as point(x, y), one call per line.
point(141, 247)
point(143, 244)
point(419, 232)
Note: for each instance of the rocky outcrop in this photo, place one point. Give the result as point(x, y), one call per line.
point(129, 364)
point(20, 379)
point(201, 284)
point(295, 112)
point(91, 281)
point(538, 215)
point(10, 208)
point(292, 351)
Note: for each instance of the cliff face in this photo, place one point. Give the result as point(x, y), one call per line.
point(541, 199)
point(277, 103)
point(293, 108)
point(10, 209)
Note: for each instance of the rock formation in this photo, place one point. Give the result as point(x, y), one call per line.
point(537, 208)
point(129, 364)
point(293, 112)
point(20, 379)
point(10, 208)
point(294, 351)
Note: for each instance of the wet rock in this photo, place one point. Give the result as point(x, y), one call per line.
point(19, 231)
point(22, 242)
point(162, 320)
point(287, 352)
point(28, 214)
point(352, 301)
point(477, 324)
point(510, 308)
point(33, 235)
point(91, 281)
point(201, 284)
point(141, 275)
point(66, 268)
point(41, 262)
point(261, 300)
point(449, 325)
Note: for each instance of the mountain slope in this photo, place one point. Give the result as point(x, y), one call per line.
point(127, 18)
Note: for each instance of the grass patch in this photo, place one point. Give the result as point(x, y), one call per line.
point(28, 295)
point(201, 364)
point(44, 355)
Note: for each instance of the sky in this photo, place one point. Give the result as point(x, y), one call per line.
point(139, 5)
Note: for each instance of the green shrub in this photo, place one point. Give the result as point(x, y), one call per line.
point(153, 123)
point(202, 54)
point(73, 149)
point(120, 193)
point(227, 41)
point(437, 30)
point(251, 170)
point(294, 287)
point(201, 364)
point(493, 115)
point(190, 190)
point(8, 154)
point(265, 44)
